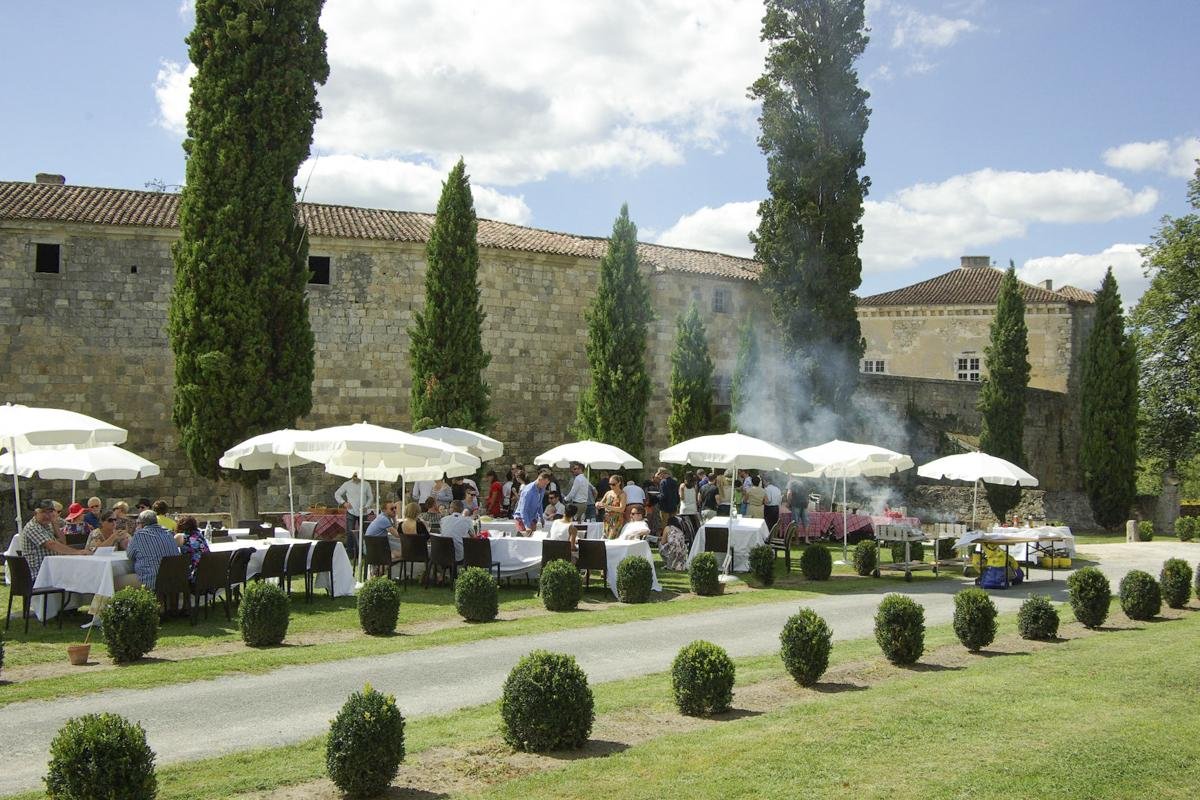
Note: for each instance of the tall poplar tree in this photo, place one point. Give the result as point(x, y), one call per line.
point(613, 407)
point(745, 374)
point(1109, 404)
point(692, 411)
point(1002, 395)
point(814, 116)
point(238, 320)
point(447, 358)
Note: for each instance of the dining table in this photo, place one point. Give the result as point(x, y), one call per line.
point(745, 533)
point(522, 555)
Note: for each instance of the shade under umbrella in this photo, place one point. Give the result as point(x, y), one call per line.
point(485, 448)
point(25, 427)
point(976, 467)
point(589, 453)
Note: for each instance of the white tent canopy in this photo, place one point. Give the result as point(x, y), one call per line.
point(976, 467)
point(25, 427)
point(485, 448)
point(733, 451)
point(593, 455)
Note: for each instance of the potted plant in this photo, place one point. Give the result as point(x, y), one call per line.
point(78, 654)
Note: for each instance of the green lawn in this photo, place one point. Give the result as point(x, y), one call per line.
point(327, 630)
point(1089, 717)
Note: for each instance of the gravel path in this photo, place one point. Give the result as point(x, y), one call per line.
point(211, 717)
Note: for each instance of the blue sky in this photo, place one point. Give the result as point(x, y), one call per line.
point(1055, 134)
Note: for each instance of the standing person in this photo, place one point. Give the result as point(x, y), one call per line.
point(797, 500)
point(509, 477)
point(530, 503)
point(633, 493)
point(580, 490)
point(354, 496)
point(421, 491)
point(701, 479)
point(740, 490)
point(599, 488)
point(723, 496)
point(495, 495)
point(668, 500)
point(613, 505)
point(516, 488)
point(771, 504)
point(689, 500)
point(755, 498)
point(708, 500)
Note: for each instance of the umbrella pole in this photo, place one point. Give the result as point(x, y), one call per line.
point(974, 504)
point(845, 519)
point(12, 451)
point(291, 498)
point(72, 491)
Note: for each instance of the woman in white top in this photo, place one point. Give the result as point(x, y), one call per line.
point(689, 505)
point(563, 529)
point(636, 528)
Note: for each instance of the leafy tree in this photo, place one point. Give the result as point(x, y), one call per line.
point(613, 408)
point(691, 380)
point(814, 116)
point(1166, 333)
point(745, 375)
point(238, 320)
point(447, 358)
point(1108, 397)
point(1002, 395)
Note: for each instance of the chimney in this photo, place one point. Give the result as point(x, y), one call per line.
point(50, 178)
point(1048, 285)
point(976, 262)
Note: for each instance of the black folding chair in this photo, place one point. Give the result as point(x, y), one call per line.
point(273, 564)
point(20, 584)
point(212, 576)
point(593, 554)
point(413, 550)
point(442, 558)
point(171, 583)
point(321, 563)
point(296, 564)
point(377, 552)
point(478, 553)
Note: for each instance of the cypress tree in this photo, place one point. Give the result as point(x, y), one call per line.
point(447, 358)
point(745, 371)
point(691, 380)
point(814, 117)
point(1002, 394)
point(1108, 399)
point(238, 319)
point(613, 408)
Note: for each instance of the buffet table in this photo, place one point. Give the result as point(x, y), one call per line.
point(1030, 551)
point(744, 534)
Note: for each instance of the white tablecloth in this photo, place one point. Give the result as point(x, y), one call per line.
point(343, 572)
point(520, 555)
point(744, 534)
point(595, 530)
point(244, 533)
point(617, 550)
point(84, 575)
point(1026, 552)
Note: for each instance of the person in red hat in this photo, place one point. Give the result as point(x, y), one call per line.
point(75, 523)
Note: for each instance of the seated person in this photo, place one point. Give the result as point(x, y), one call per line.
point(673, 546)
point(149, 544)
point(457, 527)
point(107, 535)
point(384, 525)
point(430, 513)
point(92, 515)
point(563, 528)
point(160, 508)
point(554, 507)
point(192, 543)
point(123, 522)
point(471, 501)
point(38, 539)
point(412, 524)
point(75, 523)
point(636, 528)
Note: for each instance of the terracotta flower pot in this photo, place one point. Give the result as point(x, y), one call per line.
point(78, 653)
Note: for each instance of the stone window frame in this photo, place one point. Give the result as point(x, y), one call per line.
point(876, 366)
point(968, 366)
point(33, 255)
point(722, 300)
point(329, 283)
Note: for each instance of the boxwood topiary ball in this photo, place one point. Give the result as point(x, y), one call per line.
point(804, 644)
point(762, 564)
point(130, 623)
point(365, 744)
point(1090, 596)
point(900, 629)
point(635, 580)
point(476, 595)
point(866, 557)
point(702, 679)
point(263, 615)
point(560, 585)
point(1141, 598)
point(816, 563)
point(379, 606)
point(974, 619)
point(1037, 619)
point(703, 574)
point(1176, 581)
point(101, 755)
point(546, 703)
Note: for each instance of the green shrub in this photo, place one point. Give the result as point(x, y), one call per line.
point(1196, 581)
point(264, 614)
point(365, 744)
point(130, 623)
point(635, 580)
point(816, 563)
point(1185, 528)
point(974, 619)
point(546, 703)
point(1140, 596)
point(379, 606)
point(900, 629)
point(1037, 619)
point(762, 564)
point(702, 679)
point(1090, 596)
point(1146, 530)
point(560, 585)
point(804, 644)
point(866, 557)
point(703, 575)
point(476, 595)
point(101, 756)
point(916, 551)
point(945, 549)
point(1175, 580)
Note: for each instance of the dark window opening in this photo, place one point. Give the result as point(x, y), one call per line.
point(318, 270)
point(133, 270)
point(47, 258)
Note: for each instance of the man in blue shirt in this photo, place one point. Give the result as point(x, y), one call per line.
point(530, 506)
point(150, 543)
point(384, 526)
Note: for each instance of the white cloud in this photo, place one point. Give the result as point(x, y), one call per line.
point(921, 31)
point(1086, 270)
point(966, 212)
point(1177, 158)
point(173, 91)
point(396, 184)
point(724, 229)
point(941, 220)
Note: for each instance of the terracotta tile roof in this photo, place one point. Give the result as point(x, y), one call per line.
point(101, 206)
point(1077, 294)
point(963, 286)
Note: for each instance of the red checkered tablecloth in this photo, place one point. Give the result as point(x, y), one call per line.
point(329, 526)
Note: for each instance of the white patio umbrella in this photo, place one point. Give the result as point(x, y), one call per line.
point(590, 453)
point(976, 467)
point(25, 427)
point(732, 451)
point(365, 445)
point(267, 451)
point(461, 464)
point(485, 448)
point(66, 462)
point(838, 459)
